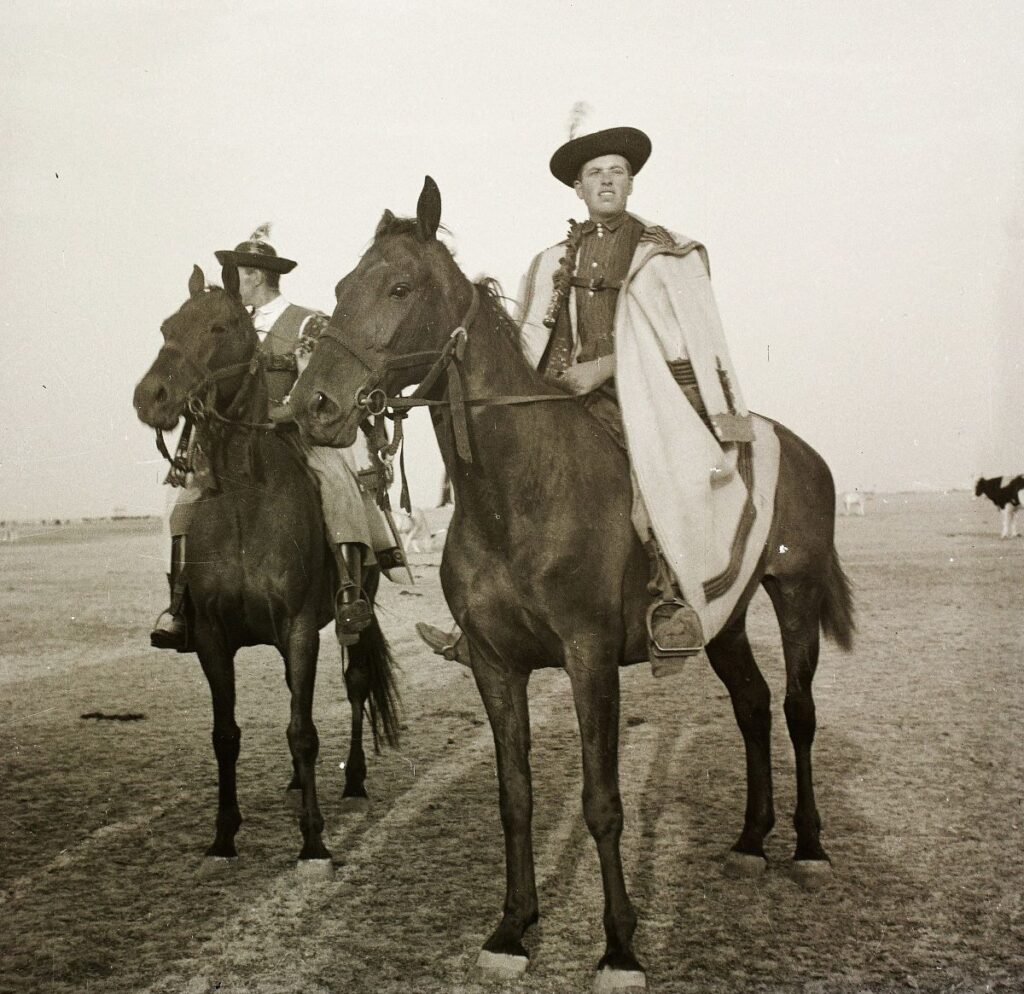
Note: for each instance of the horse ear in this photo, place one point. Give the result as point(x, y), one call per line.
point(229, 277)
point(385, 222)
point(428, 209)
point(196, 282)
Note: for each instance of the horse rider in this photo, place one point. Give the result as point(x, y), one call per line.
point(358, 532)
point(570, 318)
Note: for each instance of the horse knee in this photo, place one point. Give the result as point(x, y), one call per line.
point(800, 715)
point(603, 814)
point(357, 684)
point(303, 740)
point(227, 742)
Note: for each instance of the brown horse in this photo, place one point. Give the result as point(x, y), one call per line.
point(535, 583)
point(260, 571)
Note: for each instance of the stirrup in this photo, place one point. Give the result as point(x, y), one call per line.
point(352, 616)
point(173, 633)
point(673, 629)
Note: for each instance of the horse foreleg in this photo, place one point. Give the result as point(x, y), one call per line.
point(797, 607)
point(505, 700)
point(219, 666)
point(732, 660)
point(358, 690)
point(595, 690)
point(303, 644)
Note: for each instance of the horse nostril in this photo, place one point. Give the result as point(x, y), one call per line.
point(160, 394)
point(318, 402)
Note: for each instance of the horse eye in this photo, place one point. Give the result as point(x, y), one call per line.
point(400, 291)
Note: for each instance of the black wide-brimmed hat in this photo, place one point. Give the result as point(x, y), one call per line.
point(256, 253)
point(631, 143)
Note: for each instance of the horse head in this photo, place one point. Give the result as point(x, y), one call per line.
point(393, 314)
point(209, 334)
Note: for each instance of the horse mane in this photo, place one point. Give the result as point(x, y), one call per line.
point(492, 302)
point(492, 297)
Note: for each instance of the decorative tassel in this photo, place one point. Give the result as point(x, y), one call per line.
point(563, 275)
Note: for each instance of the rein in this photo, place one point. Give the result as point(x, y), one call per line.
point(376, 402)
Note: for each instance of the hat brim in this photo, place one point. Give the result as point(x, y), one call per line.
point(251, 260)
point(631, 143)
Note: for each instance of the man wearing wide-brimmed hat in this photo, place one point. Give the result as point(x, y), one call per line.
point(358, 532)
point(622, 313)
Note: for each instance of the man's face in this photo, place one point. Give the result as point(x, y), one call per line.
point(249, 281)
point(604, 186)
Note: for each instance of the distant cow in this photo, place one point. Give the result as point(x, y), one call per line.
point(1004, 492)
point(423, 530)
point(853, 502)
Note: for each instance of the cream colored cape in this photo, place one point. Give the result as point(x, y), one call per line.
point(712, 535)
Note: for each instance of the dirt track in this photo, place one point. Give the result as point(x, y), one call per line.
point(918, 767)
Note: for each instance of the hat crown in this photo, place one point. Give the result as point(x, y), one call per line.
point(256, 248)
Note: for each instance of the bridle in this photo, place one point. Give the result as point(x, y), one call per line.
point(374, 399)
point(200, 409)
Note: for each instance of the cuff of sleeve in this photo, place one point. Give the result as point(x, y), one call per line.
point(733, 427)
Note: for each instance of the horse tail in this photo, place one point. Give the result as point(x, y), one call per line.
point(837, 607)
point(373, 655)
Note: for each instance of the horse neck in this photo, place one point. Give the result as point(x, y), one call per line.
point(511, 444)
point(232, 444)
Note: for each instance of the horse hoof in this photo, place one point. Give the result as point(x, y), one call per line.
point(354, 805)
point(608, 980)
point(743, 865)
point(811, 873)
point(315, 869)
point(214, 865)
point(501, 965)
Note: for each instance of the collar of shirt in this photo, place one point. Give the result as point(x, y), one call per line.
point(611, 224)
point(263, 318)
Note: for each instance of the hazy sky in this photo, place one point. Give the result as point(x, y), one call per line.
point(855, 169)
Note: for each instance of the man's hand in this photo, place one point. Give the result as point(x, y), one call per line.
point(585, 377)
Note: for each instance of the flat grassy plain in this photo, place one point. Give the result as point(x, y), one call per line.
point(919, 772)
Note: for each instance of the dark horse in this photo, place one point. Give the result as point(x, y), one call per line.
point(260, 571)
point(542, 566)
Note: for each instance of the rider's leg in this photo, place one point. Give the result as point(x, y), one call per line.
point(171, 628)
point(352, 611)
point(673, 626)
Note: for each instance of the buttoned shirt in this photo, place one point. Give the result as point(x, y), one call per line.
point(605, 252)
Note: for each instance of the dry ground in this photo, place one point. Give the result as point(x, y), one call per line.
point(918, 766)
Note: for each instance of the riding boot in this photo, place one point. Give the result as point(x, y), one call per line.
point(452, 645)
point(352, 611)
point(674, 628)
point(171, 630)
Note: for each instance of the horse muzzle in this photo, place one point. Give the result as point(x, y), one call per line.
point(155, 404)
point(323, 421)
